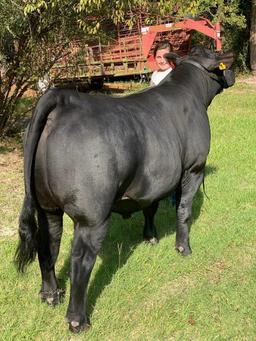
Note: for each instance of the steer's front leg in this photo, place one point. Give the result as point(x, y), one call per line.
point(86, 244)
point(185, 193)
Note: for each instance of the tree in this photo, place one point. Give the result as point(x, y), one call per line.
point(30, 43)
point(34, 33)
point(253, 38)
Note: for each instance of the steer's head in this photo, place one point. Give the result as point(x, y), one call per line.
point(215, 64)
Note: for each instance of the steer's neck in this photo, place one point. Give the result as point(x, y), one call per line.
point(197, 82)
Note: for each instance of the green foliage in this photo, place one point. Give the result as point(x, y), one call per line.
point(228, 12)
point(237, 38)
point(30, 43)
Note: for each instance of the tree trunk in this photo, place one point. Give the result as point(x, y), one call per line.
point(253, 38)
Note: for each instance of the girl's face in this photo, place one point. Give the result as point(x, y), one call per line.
point(161, 62)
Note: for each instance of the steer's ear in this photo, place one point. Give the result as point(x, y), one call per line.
point(225, 60)
point(175, 58)
point(221, 61)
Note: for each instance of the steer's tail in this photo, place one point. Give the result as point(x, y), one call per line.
point(27, 248)
point(204, 186)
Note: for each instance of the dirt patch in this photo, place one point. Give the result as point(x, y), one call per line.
point(11, 187)
point(10, 162)
point(6, 232)
point(247, 79)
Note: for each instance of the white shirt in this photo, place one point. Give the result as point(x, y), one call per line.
point(158, 76)
point(43, 83)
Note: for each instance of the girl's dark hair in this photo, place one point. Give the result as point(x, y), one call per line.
point(162, 45)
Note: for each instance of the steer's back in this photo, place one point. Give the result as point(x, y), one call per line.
point(98, 149)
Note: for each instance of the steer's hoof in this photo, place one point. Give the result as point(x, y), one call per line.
point(77, 327)
point(53, 297)
point(185, 251)
point(151, 241)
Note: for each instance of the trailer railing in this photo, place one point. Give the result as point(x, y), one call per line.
point(131, 53)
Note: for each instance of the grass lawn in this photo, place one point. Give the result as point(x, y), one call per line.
point(142, 292)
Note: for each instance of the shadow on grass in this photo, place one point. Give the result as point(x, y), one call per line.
point(122, 239)
point(210, 169)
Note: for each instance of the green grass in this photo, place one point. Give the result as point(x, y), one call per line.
point(140, 292)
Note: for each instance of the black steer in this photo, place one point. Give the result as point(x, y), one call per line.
point(89, 155)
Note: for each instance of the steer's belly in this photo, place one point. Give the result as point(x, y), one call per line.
point(126, 206)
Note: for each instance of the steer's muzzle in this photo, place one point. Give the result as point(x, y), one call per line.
point(229, 78)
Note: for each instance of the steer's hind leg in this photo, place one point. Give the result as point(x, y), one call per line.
point(86, 245)
point(49, 237)
point(185, 193)
point(149, 232)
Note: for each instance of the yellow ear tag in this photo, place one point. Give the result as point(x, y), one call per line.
point(222, 66)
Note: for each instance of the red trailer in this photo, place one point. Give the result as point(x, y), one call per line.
point(130, 54)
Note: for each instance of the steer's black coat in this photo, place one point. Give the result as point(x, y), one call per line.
point(89, 155)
